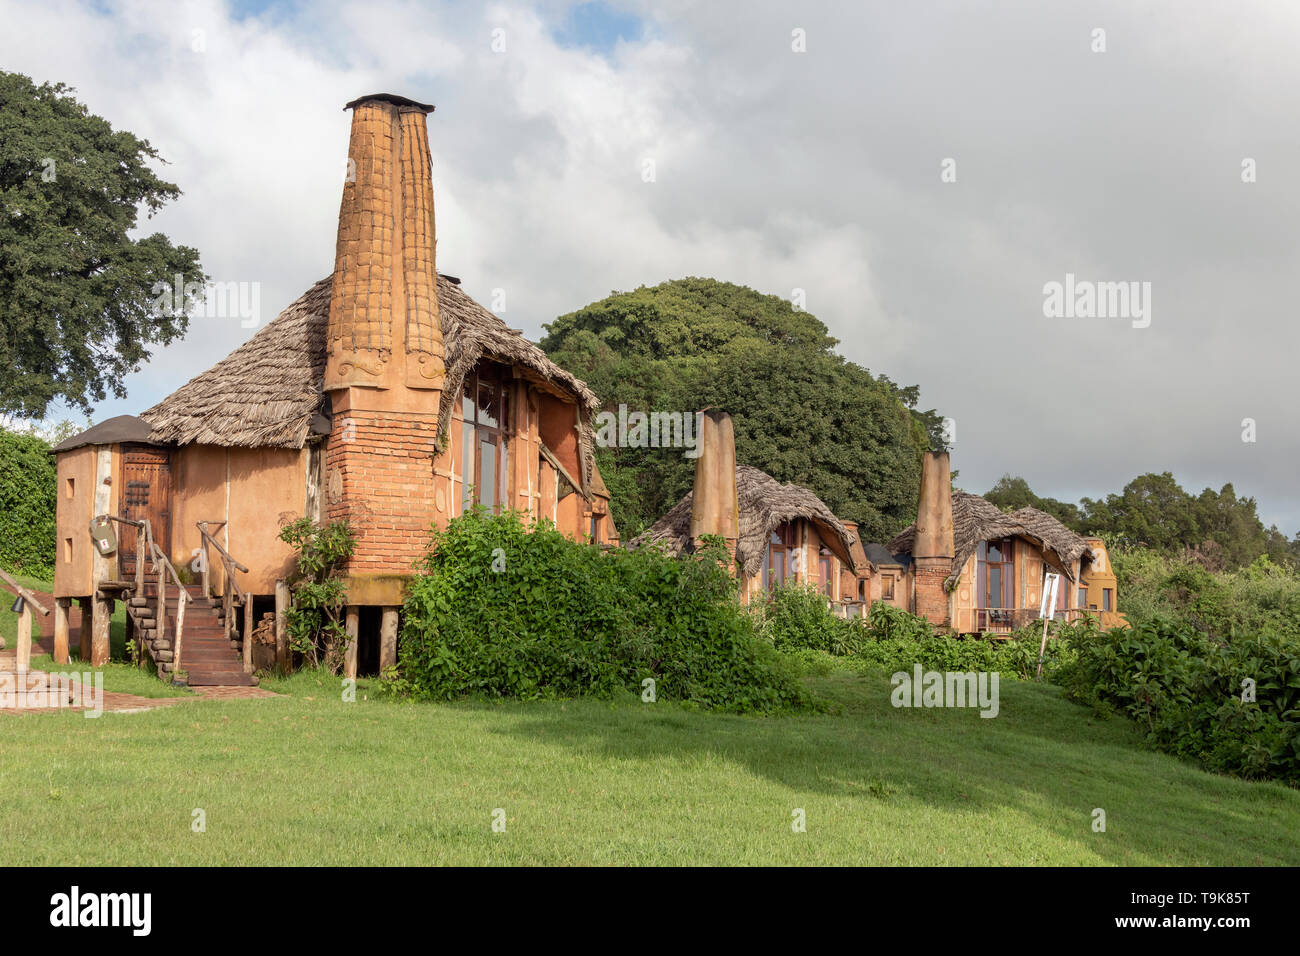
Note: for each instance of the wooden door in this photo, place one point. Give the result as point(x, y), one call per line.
point(146, 494)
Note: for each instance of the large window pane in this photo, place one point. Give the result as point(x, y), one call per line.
point(487, 459)
point(489, 405)
point(467, 466)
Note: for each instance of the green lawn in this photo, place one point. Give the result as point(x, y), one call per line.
point(309, 779)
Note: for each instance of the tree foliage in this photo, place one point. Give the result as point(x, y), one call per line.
point(77, 299)
point(1216, 529)
point(27, 488)
point(802, 412)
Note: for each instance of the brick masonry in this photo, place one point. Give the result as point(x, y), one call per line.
point(380, 478)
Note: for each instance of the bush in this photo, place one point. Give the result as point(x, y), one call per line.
point(797, 617)
point(27, 490)
point(314, 621)
point(1184, 689)
point(505, 610)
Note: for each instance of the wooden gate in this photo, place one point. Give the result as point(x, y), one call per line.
point(146, 493)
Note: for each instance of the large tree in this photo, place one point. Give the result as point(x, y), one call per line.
point(803, 413)
point(78, 304)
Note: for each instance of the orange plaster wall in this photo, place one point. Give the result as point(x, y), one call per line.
point(267, 489)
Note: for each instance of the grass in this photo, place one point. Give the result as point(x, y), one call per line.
point(307, 778)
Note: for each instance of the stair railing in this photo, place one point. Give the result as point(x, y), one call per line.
point(231, 593)
point(164, 568)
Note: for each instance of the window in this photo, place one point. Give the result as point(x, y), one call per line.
point(1107, 602)
point(485, 449)
point(826, 568)
point(1083, 597)
point(595, 528)
point(67, 550)
point(862, 590)
point(887, 587)
point(69, 487)
point(996, 574)
point(782, 551)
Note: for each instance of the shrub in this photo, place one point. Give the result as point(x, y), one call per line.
point(1184, 689)
point(27, 490)
point(316, 630)
point(797, 617)
point(507, 610)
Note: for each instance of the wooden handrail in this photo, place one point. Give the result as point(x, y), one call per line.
point(164, 567)
point(203, 529)
point(232, 593)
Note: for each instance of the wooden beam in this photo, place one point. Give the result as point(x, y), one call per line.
point(248, 633)
point(27, 595)
point(388, 639)
point(61, 606)
point(101, 611)
point(24, 649)
point(352, 626)
point(283, 659)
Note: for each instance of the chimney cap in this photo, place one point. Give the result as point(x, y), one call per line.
point(390, 98)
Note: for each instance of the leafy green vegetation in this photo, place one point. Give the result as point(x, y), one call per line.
point(1234, 706)
point(504, 610)
point(802, 412)
point(77, 292)
point(1215, 529)
point(27, 482)
point(309, 779)
point(315, 619)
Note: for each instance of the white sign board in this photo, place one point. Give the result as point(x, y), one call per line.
point(1051, 581)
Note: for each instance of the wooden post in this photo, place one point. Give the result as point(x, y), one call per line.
point(388, 639)
point(248, 633)
point(203, 541)
point(352, 626)
point(228, 607)
point(283, 659)
point(83, 634)
point(101, 611)
point(24, 649)
point(160, 616)
point(182, 598)
point(61, 606)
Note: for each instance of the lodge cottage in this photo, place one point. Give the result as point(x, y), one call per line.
point(972, 568)
point(385, 396)
point(965, 565)
point(778, 533)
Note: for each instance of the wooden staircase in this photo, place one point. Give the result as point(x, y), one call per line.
point(209, 656)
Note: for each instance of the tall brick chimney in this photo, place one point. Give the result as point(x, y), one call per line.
point(384, 368)
point(715, 504)
point(933, 547)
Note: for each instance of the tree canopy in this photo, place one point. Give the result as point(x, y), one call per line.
point(77, 293)
point(802, 412)
point(1215, 528)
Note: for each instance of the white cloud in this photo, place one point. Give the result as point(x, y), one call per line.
point(781, 170)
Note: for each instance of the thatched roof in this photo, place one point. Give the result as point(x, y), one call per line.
point(975, 519)
point(765, 504)
point(267, 392)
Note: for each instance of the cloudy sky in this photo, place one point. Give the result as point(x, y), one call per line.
point(794, 146)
